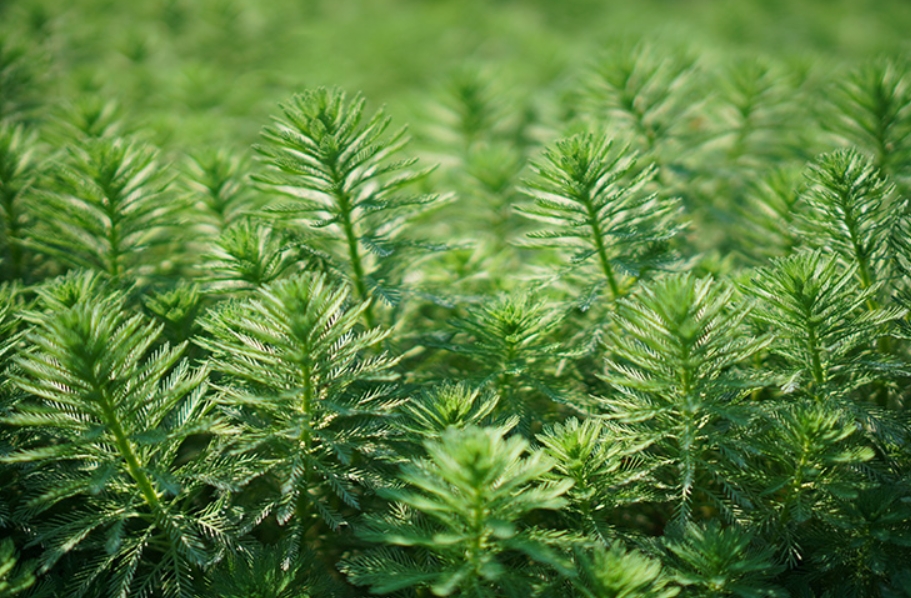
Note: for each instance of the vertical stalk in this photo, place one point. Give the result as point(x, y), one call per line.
point(600, 247)
point(478, 542)
point(127, 453)
point(303, 510)
point(109, 205)
point(815, 360)
point(794, 488)
point(354, 255)
point(306, 405)
point(360, 279)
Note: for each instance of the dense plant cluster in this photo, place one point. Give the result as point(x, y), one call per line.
point(646, 334)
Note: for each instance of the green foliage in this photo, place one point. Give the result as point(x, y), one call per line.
point(178, 309)
point(483, 131)
point(471, 495)
point(88, 118)
point(642, 94)
point(716, 561)
point(810, 459)
point(13, 579)
point(474, 112)
point(9, 322)
point(510, 343)
point(823, 324)
point(851, 212)
point(344, 188)
point(106, 493)
point(872, 108)
point(673, 365)
point(596, 206)
point(758, 114)
point(608, 471)
point(18, 81)
point(867, 542)
point(771, 215)
point(107, 209)
point(305, 390)
point(448, 405)
point(217, 183)
point(247, 256)
point(230, 378)
point(259, 573)
point(17, 177)
point(621, 573)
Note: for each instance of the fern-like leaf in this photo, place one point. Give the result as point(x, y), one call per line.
point(851, 212)
point(621, 573)
point(823, 325)
point(715, 561)
point(510, 342)
point(475, 486)
point(675, 361)
point(608, 471)
point(343, 186)
point(108, 210)
point(642, 94)
point(872, 110)
point(247, 256)
point(595, 204)
point(308, 392)
point(18, 174)
point(107, 418)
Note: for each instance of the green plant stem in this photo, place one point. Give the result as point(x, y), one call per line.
point(628, 101)
point(113, 232)
point(357, 265)
point(797, 482)
point(602, 250)
point(128, 454)
point(477, 545)
point(690, 429)
point(738, 148)
point(302, 509)
point(863, 266)
point(306, 406)
point(815, 360)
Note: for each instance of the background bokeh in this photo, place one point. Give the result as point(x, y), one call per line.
point(212, 71)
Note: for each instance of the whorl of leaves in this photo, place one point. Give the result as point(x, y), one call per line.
point(307, 390)
point(470, 494)
point(105, 489)
point(593, 202)
point(336, 168)
point(107, 209)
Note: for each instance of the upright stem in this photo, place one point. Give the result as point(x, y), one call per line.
point(815, 360)
point(628, 101)
point(795, 486)
point(599, 246)
point(740, 140)
point(478, 542)
point(110, 209)
point(354, 255)
point(307, 404)
point(303, 509)
point(127, 453)
point(863, 264)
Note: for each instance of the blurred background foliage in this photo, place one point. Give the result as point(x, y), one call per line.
point(201, 72)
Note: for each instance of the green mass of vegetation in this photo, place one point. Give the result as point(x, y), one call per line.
point(503, 298)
